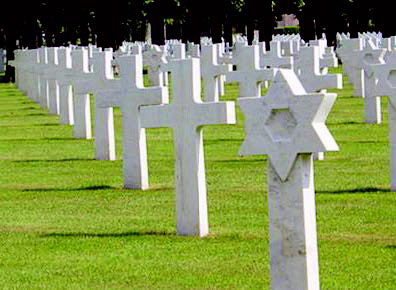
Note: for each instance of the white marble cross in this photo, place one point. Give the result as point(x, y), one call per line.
point(385, 73)
point(85, 82)
point(249, 75)
point(3, 53)
point(355, 73)
point(364, 58)
point(154, 57)
point(211, 72)
point(53, 86)
point(130, 95)
point(44, 94)
point(65, 77)
point(309, 71)
point(34, 69)
point(187, 115)
point(26, 74)
point(328, 59)
point(288, 125)
point(273, 57)
point(194, 50)
point(17, 64)
point(178, 51)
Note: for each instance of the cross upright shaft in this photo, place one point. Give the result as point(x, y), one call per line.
point(186, 115)
point(129, 94)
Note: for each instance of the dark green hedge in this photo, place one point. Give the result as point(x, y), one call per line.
point(287, 30)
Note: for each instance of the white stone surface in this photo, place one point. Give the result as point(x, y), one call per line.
point(85, 81)
point(368, 56)
point(16, 63)
point(281, 123)
point(33, 68)
point(154, 58)
point(273, 57)
point(187, 115)
point(82, 83)
point(309, 72)
point(211, 72)
point(347, 52)
point(288, 125)
point(130, 95)
point(44, 93)
point(53, 87)
point(2, 60)
point(386, 86)
point(248, 74)
point(178, 51)
point(65, 77)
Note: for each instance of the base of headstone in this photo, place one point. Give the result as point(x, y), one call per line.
point(372, 110)
point(318, 156)
point(392, 142)
point(82, 117)
point(191, 209)
point(53, 97)
point(66, 105)
point(292, 216)
point(104, 134)
point(135, 167)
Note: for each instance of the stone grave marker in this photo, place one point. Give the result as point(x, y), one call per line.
point(309, 71)
point(385, 73)
point(17, 63)
point(43, 66)
point(355, 74)
point(84, 83)
point(273, 58)
point(32, 68)
point(364, 58)
point(51, 76)
point(187, 115)
point(288, 125)
point(248, 74)
point(2, 60)
point(130, 95)
point(312, 79)
point(65, 78)
point(211, 72)
point(154, 57)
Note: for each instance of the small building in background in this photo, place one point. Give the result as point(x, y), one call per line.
point(288, 20)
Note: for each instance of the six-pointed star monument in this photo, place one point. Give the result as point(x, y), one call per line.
point(285, 122)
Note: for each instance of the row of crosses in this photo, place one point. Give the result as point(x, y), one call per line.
point(287, 124)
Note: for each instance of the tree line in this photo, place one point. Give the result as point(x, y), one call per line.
point(107, 23)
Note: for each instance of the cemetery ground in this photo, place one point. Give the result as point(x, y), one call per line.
point(66, 222)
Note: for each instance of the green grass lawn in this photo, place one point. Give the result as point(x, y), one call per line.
point(66, 222)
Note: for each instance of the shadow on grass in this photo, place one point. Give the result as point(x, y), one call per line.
point(354, 190)
point(55, 160)
point(217, 141)
point(365, 142)
point(31, 125)
point(245, 160)
point(45, 139)
point(106, 235)
point(346, 123)
point(95, 187)
point(392, 247)
point(22, 109)
point(46, 124)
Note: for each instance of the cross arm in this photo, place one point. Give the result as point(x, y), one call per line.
point(156, 116)
point(215, 113)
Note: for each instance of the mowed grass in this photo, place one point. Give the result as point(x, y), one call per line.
point(67, 223)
